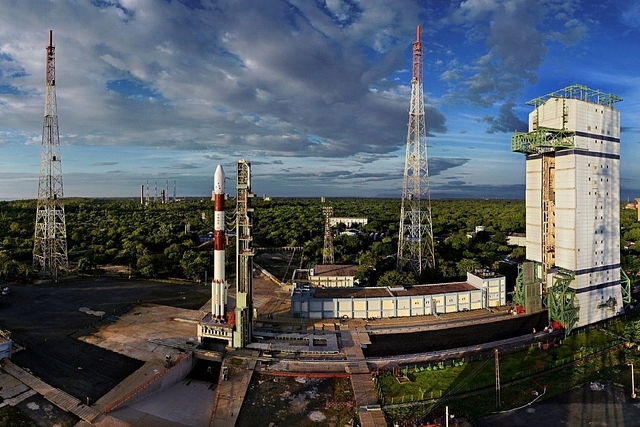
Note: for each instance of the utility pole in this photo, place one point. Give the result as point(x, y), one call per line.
point(633, 384)
point(498, 404)
point(50, 237)
point(415, 241)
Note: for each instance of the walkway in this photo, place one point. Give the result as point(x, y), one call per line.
point(231, 393)
point(369, 410)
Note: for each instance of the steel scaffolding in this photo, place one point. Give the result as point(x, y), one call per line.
point(244, 256)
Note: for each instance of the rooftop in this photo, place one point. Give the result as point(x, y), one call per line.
point(335, 270)
point(374, 292)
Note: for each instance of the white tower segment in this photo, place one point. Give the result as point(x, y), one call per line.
point(573, 207)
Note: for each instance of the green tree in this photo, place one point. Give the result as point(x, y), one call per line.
point(396, 278)
point(467, 265)
point(194, 265)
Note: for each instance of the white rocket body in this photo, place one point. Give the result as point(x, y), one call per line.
point(218, 285)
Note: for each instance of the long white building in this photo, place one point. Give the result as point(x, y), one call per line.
point(572, 207)
point(481, 290)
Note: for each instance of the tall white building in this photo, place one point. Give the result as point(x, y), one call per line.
point(572, 207)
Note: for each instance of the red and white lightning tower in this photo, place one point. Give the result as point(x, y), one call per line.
point(50, 237)
point(415, 241)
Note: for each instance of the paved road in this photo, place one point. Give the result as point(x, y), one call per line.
point(610, 406)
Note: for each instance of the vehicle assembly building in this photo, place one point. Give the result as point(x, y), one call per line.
point(481, 290)
point(572, 208)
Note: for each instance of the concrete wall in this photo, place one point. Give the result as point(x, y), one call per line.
point(533, 196)
point(5, 348)
point(169, 377)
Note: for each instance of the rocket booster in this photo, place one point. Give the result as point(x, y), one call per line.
point(218, 285)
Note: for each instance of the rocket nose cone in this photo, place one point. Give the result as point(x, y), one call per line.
point(218, 180)
point(219, 173)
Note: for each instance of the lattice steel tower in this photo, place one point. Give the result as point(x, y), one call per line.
point(415, 241)
point(327, 252)
point(50, 238)
point(244, 256)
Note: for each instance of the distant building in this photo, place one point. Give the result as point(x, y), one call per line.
point(517, 239)
point(333, 221)
point(333, 276)
point(481, 290)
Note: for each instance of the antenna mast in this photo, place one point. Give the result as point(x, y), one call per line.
point(415, 241)
point(50, 237)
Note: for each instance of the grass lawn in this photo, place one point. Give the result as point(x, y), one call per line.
point(12, 417)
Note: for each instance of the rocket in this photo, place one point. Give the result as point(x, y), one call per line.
point(218, 285)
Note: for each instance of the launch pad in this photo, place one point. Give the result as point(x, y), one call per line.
point(231, 325)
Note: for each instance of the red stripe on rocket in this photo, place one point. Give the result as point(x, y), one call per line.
point(218, 285)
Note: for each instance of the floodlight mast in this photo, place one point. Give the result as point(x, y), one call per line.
point(415, 241)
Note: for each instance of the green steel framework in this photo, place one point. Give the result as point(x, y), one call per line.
point(626, 287)
point(580, 92)
point(559, 298)
point(542, 140)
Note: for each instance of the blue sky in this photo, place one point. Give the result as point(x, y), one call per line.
point(315, 93)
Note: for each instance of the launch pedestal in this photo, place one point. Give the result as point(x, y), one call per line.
point(217, 329)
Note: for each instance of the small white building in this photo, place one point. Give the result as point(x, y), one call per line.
point(479, 291)
point(333, 276)
point(517, 239)
point(333, 221)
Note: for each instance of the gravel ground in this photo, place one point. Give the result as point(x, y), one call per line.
point(297, 401)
